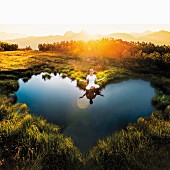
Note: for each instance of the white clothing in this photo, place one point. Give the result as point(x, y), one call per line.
point(91, 79)
point(91, 83)
point(88, 87)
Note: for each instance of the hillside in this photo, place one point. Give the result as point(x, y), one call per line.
point(8, 36)
point(159, 38)
point(33, 41)
point(123, 36)
point(138, 35)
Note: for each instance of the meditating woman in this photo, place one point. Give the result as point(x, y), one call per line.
point(91, 78)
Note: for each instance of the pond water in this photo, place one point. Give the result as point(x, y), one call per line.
point(58, 100)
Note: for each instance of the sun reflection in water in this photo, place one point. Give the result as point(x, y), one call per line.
point(82, 103)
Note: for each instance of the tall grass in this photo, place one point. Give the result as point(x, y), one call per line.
point(29, 141)
point(160, 100)
point(144, 145)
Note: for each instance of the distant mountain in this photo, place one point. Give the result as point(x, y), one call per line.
point(33, 41)
point(69, 34)
point(8, 36)
point(82, 35)
point(137, 35)
point(123, 36)
point(160, 38)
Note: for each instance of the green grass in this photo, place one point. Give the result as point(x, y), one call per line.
point(144, 145)
point(161, 100)
point(30, 142)
point(7, 86)
point(46, 76)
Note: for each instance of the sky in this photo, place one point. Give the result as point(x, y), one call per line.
point(60, 29)
point(42, 17)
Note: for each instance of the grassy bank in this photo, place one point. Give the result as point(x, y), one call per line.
point(144, 145)
point(29, 142)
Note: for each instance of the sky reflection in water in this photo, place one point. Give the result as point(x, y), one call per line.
point(58, 100)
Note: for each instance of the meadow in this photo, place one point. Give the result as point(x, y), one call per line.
point(30, 142)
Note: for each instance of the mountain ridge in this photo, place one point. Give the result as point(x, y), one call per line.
point(159, 38)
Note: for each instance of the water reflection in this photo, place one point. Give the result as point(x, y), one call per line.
point(46, 76)
point(91, 94)
point(60, 101)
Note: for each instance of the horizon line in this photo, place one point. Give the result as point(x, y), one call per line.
point(61, 29)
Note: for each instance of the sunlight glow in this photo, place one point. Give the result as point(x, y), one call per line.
point(82, 103)
point(60, 29)
point(84, 12)
point(54, 17)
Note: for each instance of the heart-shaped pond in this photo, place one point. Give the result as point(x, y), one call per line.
point(83, 117)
